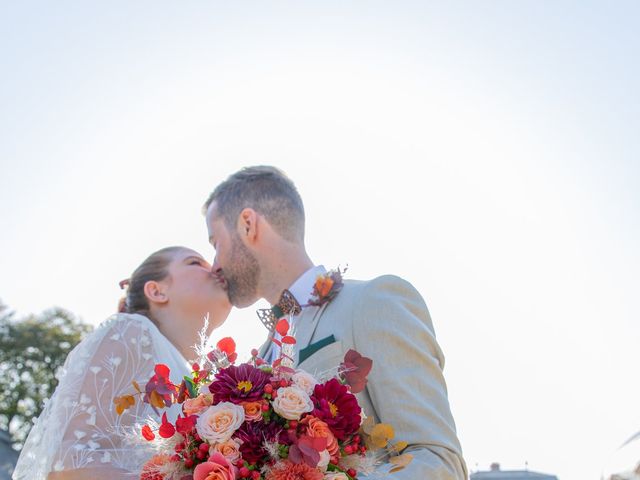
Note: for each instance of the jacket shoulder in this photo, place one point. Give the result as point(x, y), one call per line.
point(392, 284)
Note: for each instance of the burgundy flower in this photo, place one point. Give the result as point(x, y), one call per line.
point(253, 436)
point(159, 391)
point(337, 407)
point(355, 369)
point(306, 449)
point(239, 384)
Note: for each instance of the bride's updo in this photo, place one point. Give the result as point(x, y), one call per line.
point(154, 268)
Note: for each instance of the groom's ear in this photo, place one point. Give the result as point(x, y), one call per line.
point(155, 292)
point(248, 225)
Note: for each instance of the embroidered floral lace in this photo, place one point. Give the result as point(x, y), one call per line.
point(79, 427)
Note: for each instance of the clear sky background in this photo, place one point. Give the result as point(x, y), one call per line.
point(488, 152)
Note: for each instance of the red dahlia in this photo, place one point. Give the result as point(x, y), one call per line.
point(337, 407)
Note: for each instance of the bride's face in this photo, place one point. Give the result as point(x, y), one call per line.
point(193, 290)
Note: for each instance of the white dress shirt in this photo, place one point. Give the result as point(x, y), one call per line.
point(301, 290)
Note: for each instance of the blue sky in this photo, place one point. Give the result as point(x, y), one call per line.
point(487, 152)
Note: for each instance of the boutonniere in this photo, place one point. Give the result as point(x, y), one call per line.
point(327, 286)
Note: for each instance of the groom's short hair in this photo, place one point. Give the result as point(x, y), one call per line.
point(269, 192)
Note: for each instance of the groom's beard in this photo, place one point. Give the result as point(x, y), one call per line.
point(242, 275)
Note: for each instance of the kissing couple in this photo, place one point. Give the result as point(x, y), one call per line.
point(255, 222)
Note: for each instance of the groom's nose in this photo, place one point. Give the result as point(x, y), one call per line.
point(215, 266)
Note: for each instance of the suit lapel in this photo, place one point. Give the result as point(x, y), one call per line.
point(306, 327)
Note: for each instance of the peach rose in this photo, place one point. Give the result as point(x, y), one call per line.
point(305, 381)
point(195, 406)
point(252, 410)
point(229, 450)
point(218, 422)
point(216, 468)
point(292, 402)
point(335, 476)
point(325, 458)
point(318, 428)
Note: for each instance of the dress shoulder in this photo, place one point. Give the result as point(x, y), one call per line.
point(79, 426)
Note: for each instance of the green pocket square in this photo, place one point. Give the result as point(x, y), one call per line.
point(306, 352)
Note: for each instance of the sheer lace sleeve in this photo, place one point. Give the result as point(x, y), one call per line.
point(79, 427)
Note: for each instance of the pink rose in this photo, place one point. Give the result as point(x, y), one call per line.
point(195, 406)
point(216, 468)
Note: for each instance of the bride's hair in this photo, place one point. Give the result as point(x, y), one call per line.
point(154, 268)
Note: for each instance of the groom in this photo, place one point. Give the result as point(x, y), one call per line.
point(256, 224)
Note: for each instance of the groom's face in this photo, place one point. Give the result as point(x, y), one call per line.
point(234, 261)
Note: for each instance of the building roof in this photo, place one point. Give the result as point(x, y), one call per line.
point(496, 474)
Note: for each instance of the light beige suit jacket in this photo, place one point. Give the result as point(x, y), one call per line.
point(387, 320)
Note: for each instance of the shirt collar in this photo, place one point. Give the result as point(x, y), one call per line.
point(302, 288)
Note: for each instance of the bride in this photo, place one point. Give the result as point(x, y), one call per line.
point(79, 434)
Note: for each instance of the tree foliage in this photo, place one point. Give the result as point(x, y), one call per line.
point(32, 350)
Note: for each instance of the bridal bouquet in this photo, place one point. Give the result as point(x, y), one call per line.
point(263, 421)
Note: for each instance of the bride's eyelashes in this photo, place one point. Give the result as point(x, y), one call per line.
point(193, 260)
point(201, 262)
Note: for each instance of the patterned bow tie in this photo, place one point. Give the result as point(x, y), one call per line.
point(287, 305)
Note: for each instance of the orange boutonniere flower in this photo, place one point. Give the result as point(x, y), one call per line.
point(327, 286)
point(323, 286)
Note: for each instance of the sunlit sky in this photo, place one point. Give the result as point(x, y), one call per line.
point(488, 152)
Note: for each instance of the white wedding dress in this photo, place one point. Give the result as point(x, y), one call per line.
point(79, 427)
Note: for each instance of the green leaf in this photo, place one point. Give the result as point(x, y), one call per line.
point(191, 387)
